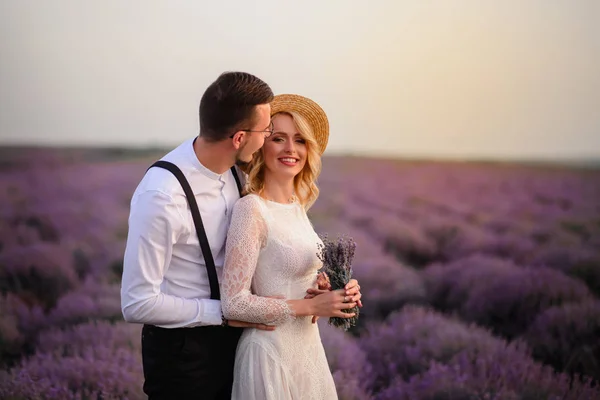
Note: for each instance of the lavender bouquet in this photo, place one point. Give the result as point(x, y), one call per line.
point(336, 272)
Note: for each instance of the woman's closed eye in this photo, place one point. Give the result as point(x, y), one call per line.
point(281, 139)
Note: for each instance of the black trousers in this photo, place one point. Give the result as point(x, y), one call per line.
point(189, 363)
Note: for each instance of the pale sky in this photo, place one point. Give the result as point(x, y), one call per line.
point(455, 78)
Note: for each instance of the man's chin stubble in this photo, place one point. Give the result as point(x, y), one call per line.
point(241, 163)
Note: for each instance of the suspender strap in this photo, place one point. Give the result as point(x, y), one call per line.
point(211, 270)
point(237, 180)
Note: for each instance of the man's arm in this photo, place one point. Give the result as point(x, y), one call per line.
point(155, 223)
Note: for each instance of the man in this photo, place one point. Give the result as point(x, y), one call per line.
point(188, 349)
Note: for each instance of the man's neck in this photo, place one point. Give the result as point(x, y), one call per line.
point(213, 155)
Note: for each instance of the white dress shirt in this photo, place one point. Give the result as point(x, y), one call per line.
point(165, 282)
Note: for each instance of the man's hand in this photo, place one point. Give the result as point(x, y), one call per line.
point(242, 324)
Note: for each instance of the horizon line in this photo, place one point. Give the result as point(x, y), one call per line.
point(582, 161)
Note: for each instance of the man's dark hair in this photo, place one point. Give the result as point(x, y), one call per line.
point(228, 104)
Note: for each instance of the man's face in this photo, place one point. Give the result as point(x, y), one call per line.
point(253, 141)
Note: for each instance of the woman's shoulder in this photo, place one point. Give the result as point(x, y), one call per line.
point(249, 202)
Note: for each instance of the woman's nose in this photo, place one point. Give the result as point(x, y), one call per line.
point(290, 147)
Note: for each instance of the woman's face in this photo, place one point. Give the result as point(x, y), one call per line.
point(285, 151)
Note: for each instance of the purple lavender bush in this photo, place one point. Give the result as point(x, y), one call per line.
point(409, 340)
point(21, 323)
point(388, 286)
point(59, 228)
point(30, 228)
point(351, 371)
point(449, 286)
point(11, 340)
point(567, 337)
point(30, 319)
point(92, 300)
point(98, 372)
point(588, 271)
point(509, 303)
point(497, 293)
point(502, 373)
point(581, 261)
point(78, 340)
point(39, 273)
point(406, 241)
point(453, 237)
point(562, 255)
point(516, 248)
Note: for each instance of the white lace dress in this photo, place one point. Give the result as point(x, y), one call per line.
point(272, 251)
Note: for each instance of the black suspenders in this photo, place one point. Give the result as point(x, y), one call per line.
point(215, 293)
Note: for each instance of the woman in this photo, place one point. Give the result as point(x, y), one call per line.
point(271, 259)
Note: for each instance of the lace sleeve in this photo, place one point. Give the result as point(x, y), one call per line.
point(246, 236)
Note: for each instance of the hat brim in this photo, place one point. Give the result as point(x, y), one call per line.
point(309, 110)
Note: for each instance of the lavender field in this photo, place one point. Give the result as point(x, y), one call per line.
point(479, 281)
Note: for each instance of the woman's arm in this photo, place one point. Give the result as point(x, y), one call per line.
point(247, 235)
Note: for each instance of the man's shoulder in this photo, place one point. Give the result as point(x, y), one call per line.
point(159, 179)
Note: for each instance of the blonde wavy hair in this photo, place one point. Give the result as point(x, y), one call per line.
point(305, 186)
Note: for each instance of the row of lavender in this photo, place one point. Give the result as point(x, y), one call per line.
point(62, 230)
point(497, 268)
point(513, 254)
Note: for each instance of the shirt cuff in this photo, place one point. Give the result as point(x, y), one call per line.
point(211, 312)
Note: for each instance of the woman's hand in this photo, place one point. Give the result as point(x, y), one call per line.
point(330, 303)
point(352, 289)
point(327, 303)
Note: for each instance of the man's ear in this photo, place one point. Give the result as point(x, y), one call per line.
point(238, 139)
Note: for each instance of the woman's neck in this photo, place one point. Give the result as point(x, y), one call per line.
point(278, 190)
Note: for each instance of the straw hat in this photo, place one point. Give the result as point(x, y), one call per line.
point(311, 111)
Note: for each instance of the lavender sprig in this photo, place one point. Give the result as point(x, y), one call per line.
point(337, 257)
